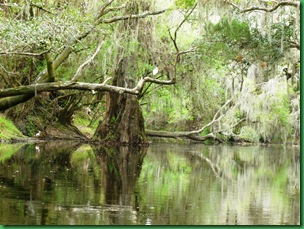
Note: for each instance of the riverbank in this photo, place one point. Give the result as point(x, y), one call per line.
point(9, 133)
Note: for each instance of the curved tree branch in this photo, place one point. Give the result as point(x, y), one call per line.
point(25, 53)
point(43, 9)
point(89, 60)
point(256, 8)
point(174, 37)
point(6, 103)
point(284, 3)
point(132, 16)
point(193, 135)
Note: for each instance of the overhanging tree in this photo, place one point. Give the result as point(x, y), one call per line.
point(125, 81)
point(124, 121)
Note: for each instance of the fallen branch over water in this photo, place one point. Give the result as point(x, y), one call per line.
point(176, 135)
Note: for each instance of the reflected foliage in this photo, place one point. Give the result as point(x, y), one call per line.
point(70, 184)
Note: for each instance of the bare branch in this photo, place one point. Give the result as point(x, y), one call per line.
point(132, 16)
point(285, 3)
point(232, 4)
point(173, 38)
point(142, 82)
point(7, 72)
point(10, 5)
point(183, 134)
point(194, 135)
point(114, 9)
point(89, 60)
point(294, 45)
point(215, 118)
point(70, 85)
point(55, 86)
point(25, 53)
point(101, 12)
point(41, 8)
point(256, 8)
point(231, 127)
point(106, 80)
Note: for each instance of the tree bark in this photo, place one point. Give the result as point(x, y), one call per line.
point(123, 123)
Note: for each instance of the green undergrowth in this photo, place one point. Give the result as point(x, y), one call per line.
point(7, 151)
point(82, 122)
point(8, 130)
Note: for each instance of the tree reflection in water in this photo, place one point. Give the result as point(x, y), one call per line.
point(69, 183)
point(66, 183)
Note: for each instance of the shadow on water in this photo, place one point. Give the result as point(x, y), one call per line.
point(67, 183)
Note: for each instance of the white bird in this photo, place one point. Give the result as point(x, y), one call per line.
point(38, 134)
point(88, 110)
point(155, 71)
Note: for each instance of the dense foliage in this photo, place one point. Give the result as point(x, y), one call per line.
point(250, 56)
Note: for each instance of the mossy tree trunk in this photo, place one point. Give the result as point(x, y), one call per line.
point(123, 122)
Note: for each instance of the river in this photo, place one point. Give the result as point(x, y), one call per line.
point(66, 183)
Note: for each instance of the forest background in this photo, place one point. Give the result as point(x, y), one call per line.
point(123, 71)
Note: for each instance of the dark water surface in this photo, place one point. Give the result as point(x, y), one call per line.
point(62, 183)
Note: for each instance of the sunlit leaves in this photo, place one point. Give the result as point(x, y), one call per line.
point(184, 4)
point(45, 32)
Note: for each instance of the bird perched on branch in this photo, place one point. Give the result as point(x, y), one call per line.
point(38, 134)
point(155, 71)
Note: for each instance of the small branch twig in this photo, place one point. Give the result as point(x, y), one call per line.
point(215, 119)
point(7, 72)
point(114, 9)
point(106, 80)
point(174, 37)
point(25, 53)
point(41, 8)
point(101, 12)
point(294, 45)
point(132, 16)
point(89, 60)
point(231, 127)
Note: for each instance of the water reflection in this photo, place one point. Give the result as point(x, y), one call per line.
point(65, 183)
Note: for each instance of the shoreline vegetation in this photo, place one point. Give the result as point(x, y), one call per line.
point(128, 73)
point(10, 134)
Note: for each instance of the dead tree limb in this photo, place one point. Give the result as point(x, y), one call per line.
point(193, 135)
point(25, 53)
point(88, 61)
point(43, 9)
point(69, 85)
point(256, 8)
point(6, 103)
point(128, 17)
point(174, 37)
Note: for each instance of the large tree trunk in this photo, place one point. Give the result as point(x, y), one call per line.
point(124, 122)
